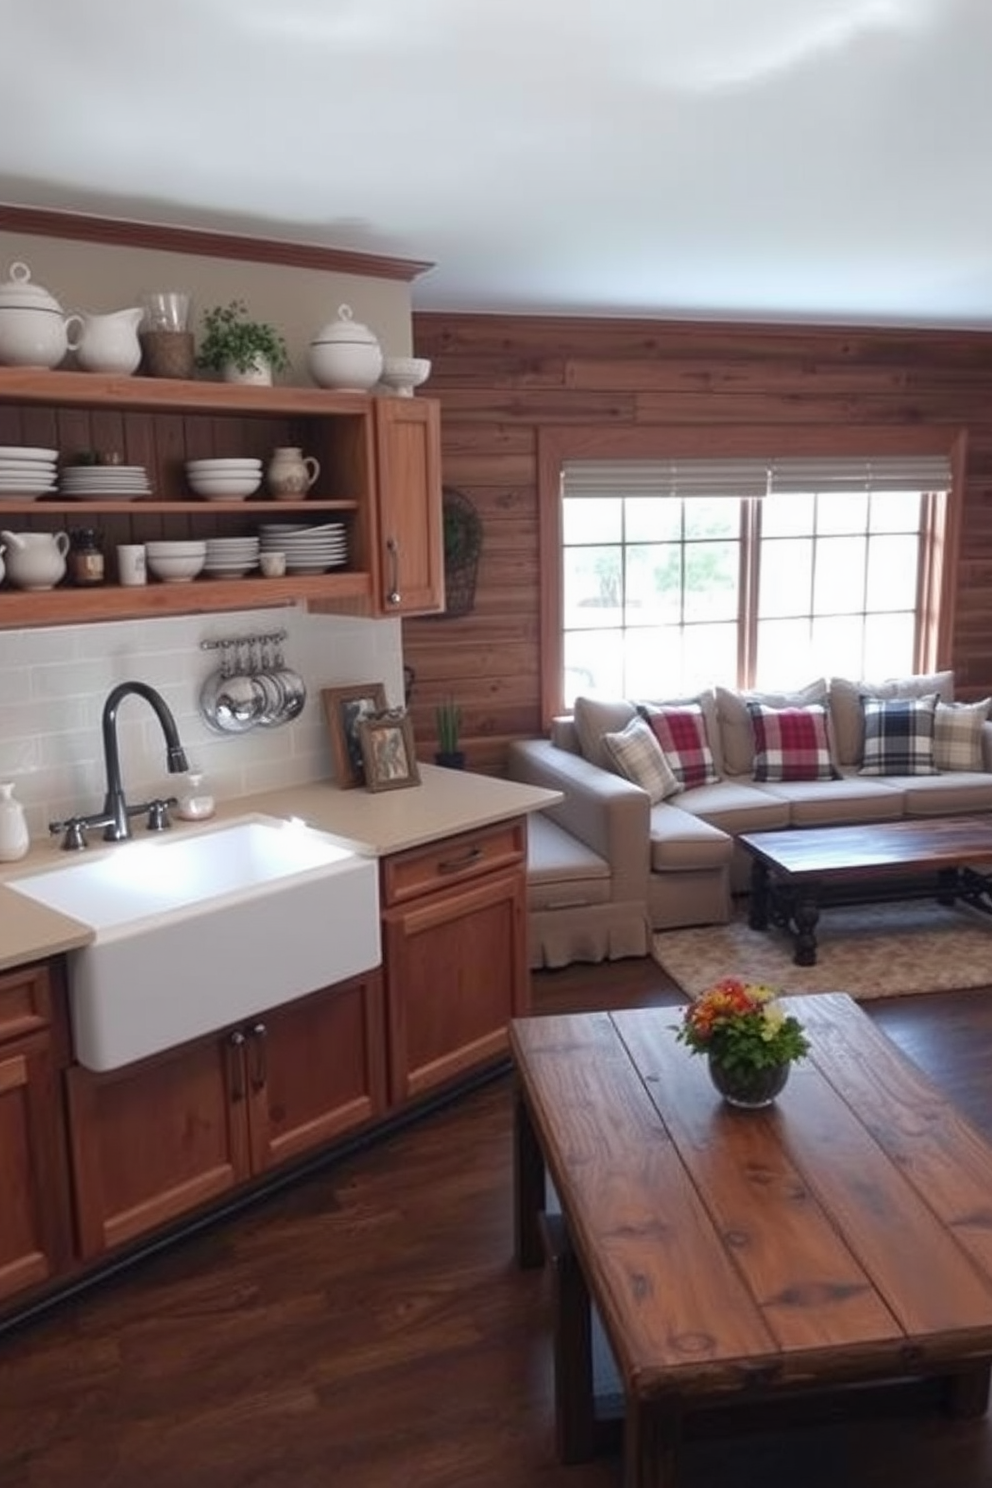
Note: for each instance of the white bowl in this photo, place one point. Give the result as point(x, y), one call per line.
point(223, 467)
point(231, 486)
point(176, 570)
point(403, 374)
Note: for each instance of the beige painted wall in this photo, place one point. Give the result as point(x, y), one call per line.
point(298, 302)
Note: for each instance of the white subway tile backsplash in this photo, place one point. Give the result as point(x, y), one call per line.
point(53, 684)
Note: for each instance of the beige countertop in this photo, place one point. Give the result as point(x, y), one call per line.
point(373, 823)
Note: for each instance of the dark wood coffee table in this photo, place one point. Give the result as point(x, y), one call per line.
point(842, 1238)
point(794, 873)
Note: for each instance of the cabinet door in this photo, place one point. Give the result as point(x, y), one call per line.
point(456, 974)
point(410, 574)
point(35, 1226)
point(315, 1068)
point(156, 1139)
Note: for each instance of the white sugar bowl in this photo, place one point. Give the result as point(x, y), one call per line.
point(345, 355)
point(33, 329)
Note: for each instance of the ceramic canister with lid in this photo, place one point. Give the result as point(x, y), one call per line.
point(345, 355)
point(33, 330)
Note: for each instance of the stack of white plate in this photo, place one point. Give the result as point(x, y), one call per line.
point(308, 549)
point(105, 482)
point(230, 557)
point(26, 473)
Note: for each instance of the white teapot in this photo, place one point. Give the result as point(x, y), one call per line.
point(35, 560)
point(33, 330)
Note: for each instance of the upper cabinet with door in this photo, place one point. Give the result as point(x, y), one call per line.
point(379, 475)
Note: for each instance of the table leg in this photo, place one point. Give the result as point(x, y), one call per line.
point(966, 1393)
point(528, 1187)
point(650, 1446)
point(806, 913)
point(575, 1422)
point(758, 900)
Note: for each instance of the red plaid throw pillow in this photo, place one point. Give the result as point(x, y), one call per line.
point(681, 732)
point(791, 743)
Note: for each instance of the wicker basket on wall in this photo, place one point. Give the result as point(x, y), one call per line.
point(462, 549)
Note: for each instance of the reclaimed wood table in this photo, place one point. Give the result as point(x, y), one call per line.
point(794, 872)
point(842, 1237)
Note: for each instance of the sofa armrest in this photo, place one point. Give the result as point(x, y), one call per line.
point(611, 815)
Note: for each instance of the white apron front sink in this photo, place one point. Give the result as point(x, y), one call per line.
point(195, 931)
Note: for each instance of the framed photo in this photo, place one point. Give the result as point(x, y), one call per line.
point(344, 708)
point(387, 749)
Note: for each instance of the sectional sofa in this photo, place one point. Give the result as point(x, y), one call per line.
point(656, 792)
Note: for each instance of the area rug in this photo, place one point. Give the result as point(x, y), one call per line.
point(876, 950)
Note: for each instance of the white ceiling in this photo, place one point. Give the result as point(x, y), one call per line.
point(755, 159)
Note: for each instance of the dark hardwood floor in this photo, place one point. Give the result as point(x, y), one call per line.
point(368, 1329)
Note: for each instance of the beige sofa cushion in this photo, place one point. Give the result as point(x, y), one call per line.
point(848, 715)
point(736, 729)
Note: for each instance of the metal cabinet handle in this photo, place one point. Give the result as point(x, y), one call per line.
point(393, 596)
point(259, 1061)
point(236, 1044)
point(455, 865)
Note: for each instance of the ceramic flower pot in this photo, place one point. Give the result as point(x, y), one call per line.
point(748, 1090)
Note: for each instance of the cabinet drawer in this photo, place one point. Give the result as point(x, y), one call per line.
point(25, 1001)
point(439, 865)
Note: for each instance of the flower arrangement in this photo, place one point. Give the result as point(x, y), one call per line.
point(743, 1027)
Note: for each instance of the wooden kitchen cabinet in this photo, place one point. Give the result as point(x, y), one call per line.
point(380, 475)
point(409, 508)
point(158, 1139)
point(35, 1212)
point(454, 929)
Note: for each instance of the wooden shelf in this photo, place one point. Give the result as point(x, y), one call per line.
point(96, 390)
point(185, 507)
point(66, 605)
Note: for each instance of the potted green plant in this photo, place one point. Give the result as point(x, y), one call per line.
point(241, 350)
point(448, 717)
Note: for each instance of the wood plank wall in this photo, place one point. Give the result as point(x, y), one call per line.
point(503, 380)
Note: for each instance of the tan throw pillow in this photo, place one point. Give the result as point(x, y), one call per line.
point(637, 755)
point(847, 714)
point(595, 717)
point(736, 729)
point(957, 735)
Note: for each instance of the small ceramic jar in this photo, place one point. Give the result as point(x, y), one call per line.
point(345, 355)
point(33, 330)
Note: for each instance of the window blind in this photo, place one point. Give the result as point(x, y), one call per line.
point(740, 478)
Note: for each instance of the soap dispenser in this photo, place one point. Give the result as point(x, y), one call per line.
point(195, 802)
point(14, 838)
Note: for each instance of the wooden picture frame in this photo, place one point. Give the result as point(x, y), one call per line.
point(387, 751)
point(344, 707)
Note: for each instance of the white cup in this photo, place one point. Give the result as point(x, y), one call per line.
point(131, 567)
point(273, 564)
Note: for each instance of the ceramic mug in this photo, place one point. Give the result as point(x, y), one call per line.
point(132, 569)
point(273, 565)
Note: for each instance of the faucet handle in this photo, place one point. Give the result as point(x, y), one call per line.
point(158, 813)
point(73, 830)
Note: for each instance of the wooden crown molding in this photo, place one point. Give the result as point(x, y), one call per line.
point(123, 234)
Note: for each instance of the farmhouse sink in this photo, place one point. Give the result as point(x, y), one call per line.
point(193, 932)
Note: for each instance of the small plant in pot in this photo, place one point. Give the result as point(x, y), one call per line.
point(448, 716)
point(241, 350)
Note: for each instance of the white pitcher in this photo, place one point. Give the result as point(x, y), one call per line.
point(35, 560)
point(290, 473)
point(14, 838)
point(109, 343)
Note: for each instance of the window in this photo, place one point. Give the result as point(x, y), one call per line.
point(675, 577)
